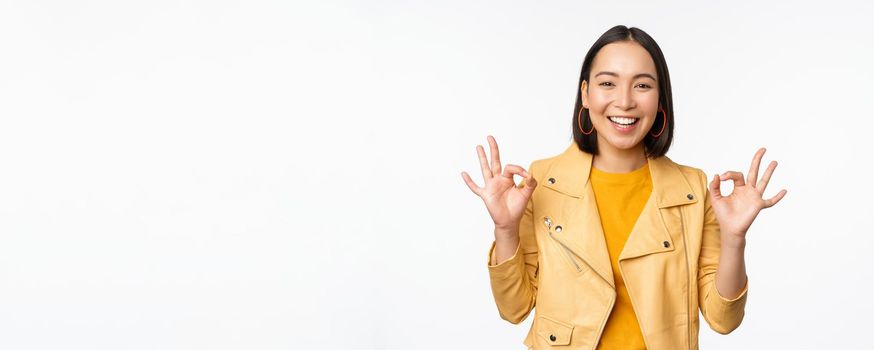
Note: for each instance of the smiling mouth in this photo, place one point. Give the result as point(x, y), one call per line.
point(623, 121)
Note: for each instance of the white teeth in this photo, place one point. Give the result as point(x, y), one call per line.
point(623, 120)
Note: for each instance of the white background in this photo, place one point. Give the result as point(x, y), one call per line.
point(274, 175)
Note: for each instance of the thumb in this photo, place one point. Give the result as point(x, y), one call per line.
point(528, 184)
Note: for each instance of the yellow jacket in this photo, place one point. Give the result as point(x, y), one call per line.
point(562, 266)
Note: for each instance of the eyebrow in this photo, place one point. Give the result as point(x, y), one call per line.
point(634, 77)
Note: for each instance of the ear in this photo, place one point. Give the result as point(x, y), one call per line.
point(584, 92)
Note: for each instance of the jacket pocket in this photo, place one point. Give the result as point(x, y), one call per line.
point(553, 332)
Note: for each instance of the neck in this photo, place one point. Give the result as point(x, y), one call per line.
point(613, 160)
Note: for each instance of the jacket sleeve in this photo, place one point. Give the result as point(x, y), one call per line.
point(722, 314)
point(514, 281)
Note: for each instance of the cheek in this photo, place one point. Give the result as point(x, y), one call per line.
point(599, 100)
point(650, 101)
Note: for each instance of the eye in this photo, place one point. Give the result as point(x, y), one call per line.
point(645, 86)
point(606, 83)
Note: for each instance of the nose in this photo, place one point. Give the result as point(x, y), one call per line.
point(625, 100)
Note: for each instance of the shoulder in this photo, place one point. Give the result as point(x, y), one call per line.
point(571, 157)
point(696, 177)
point(692, 173)
point(539, 166)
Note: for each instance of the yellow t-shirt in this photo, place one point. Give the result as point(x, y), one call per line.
point(620, 198)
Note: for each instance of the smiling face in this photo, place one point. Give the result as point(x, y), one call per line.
point(622, 96)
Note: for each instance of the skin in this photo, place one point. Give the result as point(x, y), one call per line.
point(624, 82)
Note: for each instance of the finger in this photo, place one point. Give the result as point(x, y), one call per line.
point(753, 175)
point(512, 169)
point(496, 157)
point(770, 202)
point(530, 181)
point(483, 162)
point(470, 184)
point(737, 176)
point(714, 187)
point(530, 184)
point(766, 177)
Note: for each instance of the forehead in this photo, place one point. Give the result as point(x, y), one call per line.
point(625, 58)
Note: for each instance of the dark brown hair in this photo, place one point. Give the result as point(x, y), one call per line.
point(655, 147)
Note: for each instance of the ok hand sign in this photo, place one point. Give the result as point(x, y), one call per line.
point(737, 211)
point(504, 200)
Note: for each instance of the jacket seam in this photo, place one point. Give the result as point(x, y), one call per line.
point(688, 281)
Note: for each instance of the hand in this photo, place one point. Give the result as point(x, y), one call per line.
point(737, 211)
point(504, 200)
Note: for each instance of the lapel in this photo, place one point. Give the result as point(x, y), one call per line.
point(568, 174)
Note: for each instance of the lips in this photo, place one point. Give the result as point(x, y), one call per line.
point(623, 120)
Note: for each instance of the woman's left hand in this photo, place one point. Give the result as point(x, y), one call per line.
point(737, 210)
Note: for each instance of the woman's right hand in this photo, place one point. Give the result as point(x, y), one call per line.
point(504, 200)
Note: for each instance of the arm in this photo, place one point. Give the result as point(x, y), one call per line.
point(731, 275)
point(513, 257)
point(726, 222)
point(721, 313)
point(513, 267)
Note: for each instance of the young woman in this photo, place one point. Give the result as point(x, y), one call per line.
point(618, 247)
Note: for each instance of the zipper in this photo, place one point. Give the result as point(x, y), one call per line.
point(688, 278)
point(567, 251)
point(548, 222)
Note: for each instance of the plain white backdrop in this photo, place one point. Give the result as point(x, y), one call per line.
point(281, 175)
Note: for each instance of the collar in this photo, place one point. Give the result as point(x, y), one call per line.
point(569, 174)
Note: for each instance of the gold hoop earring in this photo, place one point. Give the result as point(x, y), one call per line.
point(580, 122)
point(664, 122)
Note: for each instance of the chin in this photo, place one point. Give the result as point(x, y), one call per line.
point(624, 143)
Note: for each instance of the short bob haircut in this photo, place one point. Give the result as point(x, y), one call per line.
point(655, 147)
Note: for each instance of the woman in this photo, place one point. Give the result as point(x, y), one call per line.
point(620, 246)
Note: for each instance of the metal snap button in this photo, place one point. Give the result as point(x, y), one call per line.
point(666, 244)
point(552, 337)
point(547, 221)
point(551, 180)
point(558, 228)
point(689, 196)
